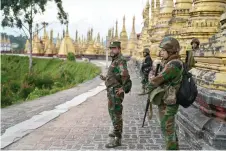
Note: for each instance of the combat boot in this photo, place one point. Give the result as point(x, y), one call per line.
point(111, 134)
point(114, 143)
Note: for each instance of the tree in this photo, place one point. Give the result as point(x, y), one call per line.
point(21, 13)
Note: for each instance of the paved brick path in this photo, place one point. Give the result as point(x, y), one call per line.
point(86, 127)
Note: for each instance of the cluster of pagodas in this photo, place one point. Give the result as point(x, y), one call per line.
point(45, 45)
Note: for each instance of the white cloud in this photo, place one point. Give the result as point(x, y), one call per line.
point(98, 14)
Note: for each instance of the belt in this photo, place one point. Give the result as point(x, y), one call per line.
point(112, 88)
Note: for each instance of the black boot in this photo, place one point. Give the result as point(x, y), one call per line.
point(114, 143)
point(111, 134)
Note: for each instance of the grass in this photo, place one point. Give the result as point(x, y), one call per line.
point(48, 76)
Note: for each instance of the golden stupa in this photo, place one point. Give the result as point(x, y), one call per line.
point(36, 46)
point(160, 28)
point(58, 43)
point(184, 22)
point(50, 48)
point(90, 50)
point(76, 43)
point(144, 36)
point(97, 45)
point(203, 21)
point(124, 38)
point(132, 44)
point(66, 46)
point(116, 38)
point(102, 48)
point(179, 20)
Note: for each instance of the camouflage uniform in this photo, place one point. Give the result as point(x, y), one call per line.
point(191, 60)
point(116, 77)
point(145, 68)
point(170, 77)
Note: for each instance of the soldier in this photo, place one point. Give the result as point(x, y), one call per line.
point(169, 78)
point(195, 46)
point(145, 68)
point(115, 81)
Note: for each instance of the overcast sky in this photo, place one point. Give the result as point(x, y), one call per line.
point(98, 14)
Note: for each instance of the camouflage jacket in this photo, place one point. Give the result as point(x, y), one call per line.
point(117, 73)
point(169, 78)
point(191, 60)
point(146, 65)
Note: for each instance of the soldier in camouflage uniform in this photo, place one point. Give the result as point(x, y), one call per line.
point(115, 79)
point(195, 46)
point(145, 68)
point(169, 77)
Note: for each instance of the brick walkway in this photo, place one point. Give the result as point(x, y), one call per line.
point(86, 127)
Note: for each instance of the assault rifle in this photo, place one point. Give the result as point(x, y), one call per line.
point(148, 100)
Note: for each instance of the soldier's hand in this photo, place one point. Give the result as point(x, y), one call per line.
point(102, 77)
point(119, 91)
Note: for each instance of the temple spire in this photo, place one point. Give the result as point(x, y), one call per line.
point(112, 33)
point(67, 33)
point(133, 28)
point(98, 37)
point(76, 36)
point(116, 30)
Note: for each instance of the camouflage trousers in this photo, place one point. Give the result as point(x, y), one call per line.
point(168, 126)
point(144, 81)
point(115, 110)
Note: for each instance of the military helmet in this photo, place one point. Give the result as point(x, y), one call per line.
point(115, 44)
point(195, 40)
point(146, 50)
point(170, 44)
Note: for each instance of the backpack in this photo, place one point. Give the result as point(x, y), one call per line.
point(187, 92)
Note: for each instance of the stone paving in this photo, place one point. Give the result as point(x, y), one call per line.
point(86, 127)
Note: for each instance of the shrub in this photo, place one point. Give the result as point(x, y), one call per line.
point(6, 96)
point(43, 82)
point(14, 86)
point(70, 56)
point(26, 89)
point(37, 93)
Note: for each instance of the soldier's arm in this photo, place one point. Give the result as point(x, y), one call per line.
point(147, 63)
point(171, 71)
point(123, 71)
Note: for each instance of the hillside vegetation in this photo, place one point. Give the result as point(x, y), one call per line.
point(48, 76)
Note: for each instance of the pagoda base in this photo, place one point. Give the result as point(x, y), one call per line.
point(204, 123)
point(95, 57)
point(49, 55)
point(62, 56)
point(37, 54)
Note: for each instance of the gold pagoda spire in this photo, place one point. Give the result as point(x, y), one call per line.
point(91, 34)
point(58, 42)
point(50, 50)
point(112, 33)
point(66, 46)
point(67, 33)
point(98, 37)
point(132, 40)
point(124, 38)
point(116, 30)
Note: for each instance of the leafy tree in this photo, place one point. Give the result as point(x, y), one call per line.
point(21, 13)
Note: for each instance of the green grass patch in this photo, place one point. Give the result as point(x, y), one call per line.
point(48, 76)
